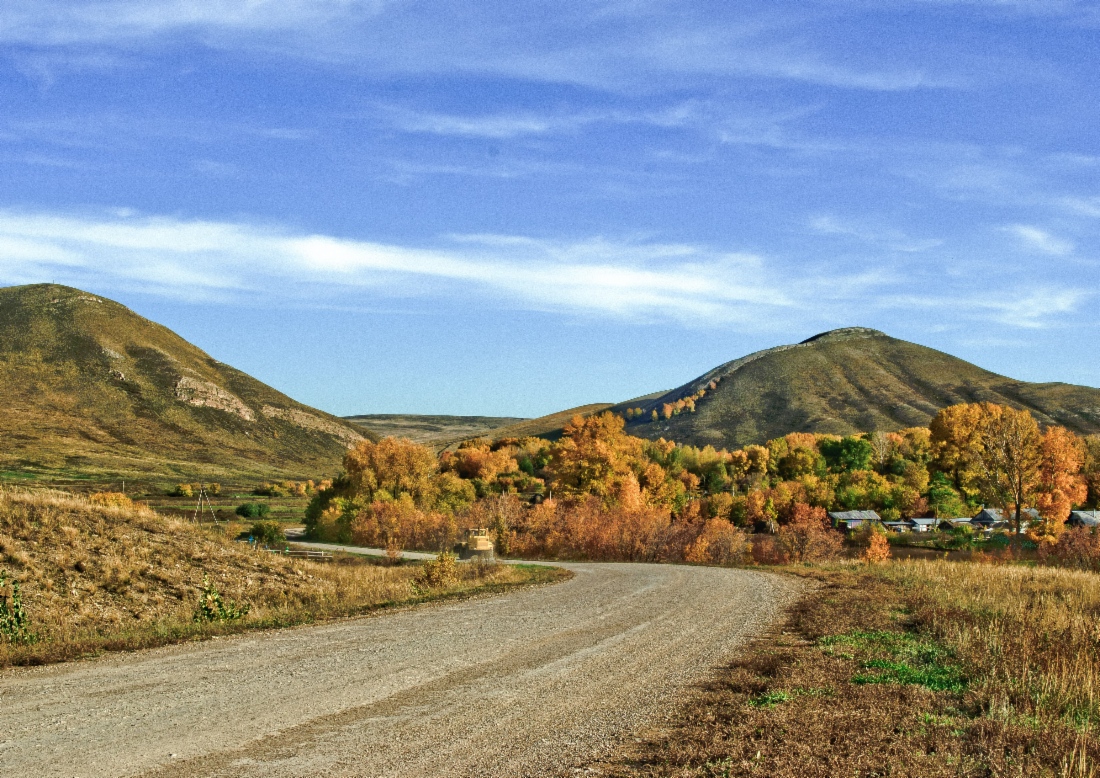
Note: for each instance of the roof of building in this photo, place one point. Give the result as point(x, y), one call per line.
point(996, 514)
point(1084, 518)
point(854, 516)
point(924, 521)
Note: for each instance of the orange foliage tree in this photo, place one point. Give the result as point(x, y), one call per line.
point(479, 461)
point(878, 549)
point(1061, 485)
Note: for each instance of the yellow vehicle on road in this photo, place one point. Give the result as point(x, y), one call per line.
point(478, 545)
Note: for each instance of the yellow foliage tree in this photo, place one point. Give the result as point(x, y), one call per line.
point(594, 456)
point(394, 466)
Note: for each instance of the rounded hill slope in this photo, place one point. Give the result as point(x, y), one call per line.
point(88, 385)
point(844, 381)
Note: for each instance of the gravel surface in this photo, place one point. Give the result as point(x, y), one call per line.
point(533, 683)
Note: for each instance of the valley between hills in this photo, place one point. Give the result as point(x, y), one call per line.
point(847, 534)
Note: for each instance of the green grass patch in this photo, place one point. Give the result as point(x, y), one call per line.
point(769, 699)
point(898, 657)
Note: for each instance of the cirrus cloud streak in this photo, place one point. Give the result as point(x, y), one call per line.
point(647, 280)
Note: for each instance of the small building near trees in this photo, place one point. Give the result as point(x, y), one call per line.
point(846, 520)
point(946, 525)
point(994, 518)
point(922, 525)
point(1083, 519)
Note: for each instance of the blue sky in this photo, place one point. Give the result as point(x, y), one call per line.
point(509, 208)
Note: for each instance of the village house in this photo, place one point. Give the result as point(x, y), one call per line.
point(846, 520)
point(946, 525)
point(1083, 519)
point(994, 518)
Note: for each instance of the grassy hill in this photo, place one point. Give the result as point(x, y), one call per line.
point(97, 576)
point(845, 381)
point(430, 430)
point(549, 426)
point(89, 389)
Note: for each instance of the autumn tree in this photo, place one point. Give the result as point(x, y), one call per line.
point(390, 468)
point(480, 462)
point(1061, 485)
point(954, 442)
point(878, 548)
point(883, 446)
point(1008, 456)
point(1091, 469)
point(594, 455)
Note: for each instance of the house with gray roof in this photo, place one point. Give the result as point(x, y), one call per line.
point(990, 518)
point(1083, 519)
point(922, 525)
point(844, 520)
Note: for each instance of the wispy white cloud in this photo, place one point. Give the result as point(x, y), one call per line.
point(1040, 240)
point(210, 259)
point(501, 126)
point(1075, 11)
point(883, 237)
point(1085, 206)
point(632, 278)
point(1023, 305)
point(111, 21)
point(604, 44)
point(1035, 307)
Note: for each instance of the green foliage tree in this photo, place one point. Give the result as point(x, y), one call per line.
point(847, 454)
point(253, 510)
point(269, 533)
point(944, 499)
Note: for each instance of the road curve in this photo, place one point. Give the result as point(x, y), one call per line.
point(532, 683)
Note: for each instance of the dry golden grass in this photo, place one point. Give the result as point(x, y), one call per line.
point(1001, 661)
point(96, 577)
point(1030, 636)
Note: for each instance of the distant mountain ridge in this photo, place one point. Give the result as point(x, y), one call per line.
point(844, 381)
point(88, 385)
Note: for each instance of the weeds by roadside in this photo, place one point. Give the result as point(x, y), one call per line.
point(89, 577)
point(14, 623)
point(900, 669)
point(213, 607)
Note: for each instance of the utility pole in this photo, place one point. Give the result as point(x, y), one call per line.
point(209, 506)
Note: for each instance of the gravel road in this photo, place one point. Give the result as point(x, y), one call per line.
point(533, 683)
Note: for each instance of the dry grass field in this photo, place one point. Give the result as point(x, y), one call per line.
point(902, 669)
point(96, 577)
point(434, 431)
